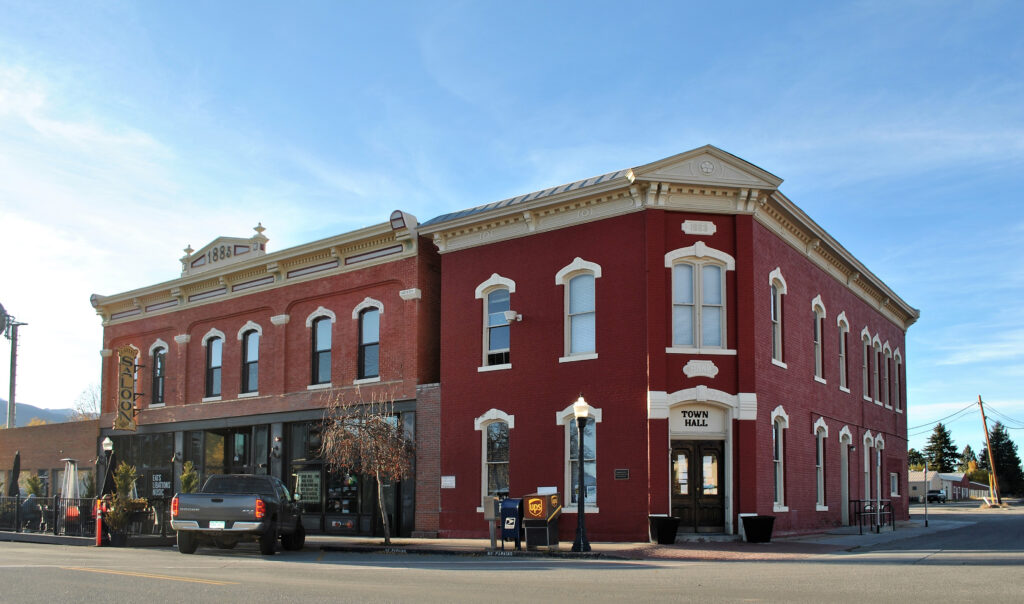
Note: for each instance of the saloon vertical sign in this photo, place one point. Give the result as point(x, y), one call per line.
point(125, 419)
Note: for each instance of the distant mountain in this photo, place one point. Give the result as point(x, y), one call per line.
point(24, 414)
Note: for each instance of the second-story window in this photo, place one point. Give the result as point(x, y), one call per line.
point(844, 329)
point(159, 373)
point(497, 330)
point(818, 353)
point(250, 361)
point(698, 305)
point(582, 315)
point(369, 343)
point(321, 350)
point(214, 354)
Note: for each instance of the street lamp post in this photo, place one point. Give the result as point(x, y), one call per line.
point(582, 411)
point(108, 450)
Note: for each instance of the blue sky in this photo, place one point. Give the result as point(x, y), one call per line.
point(128, 130)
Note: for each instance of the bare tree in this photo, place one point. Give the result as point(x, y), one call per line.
point(87, 405)
point(363, 435)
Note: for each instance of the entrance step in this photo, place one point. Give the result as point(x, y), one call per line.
point(705, 537)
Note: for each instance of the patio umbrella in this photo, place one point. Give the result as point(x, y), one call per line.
point(12, 487)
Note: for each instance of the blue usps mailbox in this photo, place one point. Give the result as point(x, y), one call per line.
point(511, 521)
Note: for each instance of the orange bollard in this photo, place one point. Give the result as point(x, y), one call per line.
point(99, 524)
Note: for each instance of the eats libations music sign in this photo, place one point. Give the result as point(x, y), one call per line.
point(125, 419)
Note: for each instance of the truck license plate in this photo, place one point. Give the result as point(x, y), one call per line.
point(216, 524)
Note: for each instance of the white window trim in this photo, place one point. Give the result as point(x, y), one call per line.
point(319, 386)
point(213, 333)
point(480, 424)
point(320, 312)
point(779, 415)
point(699, 255)
point(898, 388)
point(895, 493)
point(248, 394)
point(583, 356)
point(818, 309)
point(249, 326)
point(158, 344)
point(886, 376)
point(843, 353)
point(820, 427)
point(876, 377)
point(370, 380)
point(495, 281)
point(696, 350)
point(367, 302)
point(211, 399)
point(868, 442)
point(776, 279)
point(486, 368)
point(577, 267)
point(562, 418)
point(865, 367)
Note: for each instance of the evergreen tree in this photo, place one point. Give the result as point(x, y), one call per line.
point(941, 452)
point(915, 460)
point(966, 457)
point(1004, 454)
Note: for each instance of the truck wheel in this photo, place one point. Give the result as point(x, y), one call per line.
point(268, 540)
point(187, 542)
point(296, 540)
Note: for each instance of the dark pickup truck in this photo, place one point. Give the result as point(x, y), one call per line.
point(235, 507)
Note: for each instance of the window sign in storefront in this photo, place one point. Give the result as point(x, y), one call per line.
point(307, 484)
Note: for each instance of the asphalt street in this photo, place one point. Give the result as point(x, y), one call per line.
point(981, 559)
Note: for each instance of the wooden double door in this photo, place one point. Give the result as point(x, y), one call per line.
point(698, 485)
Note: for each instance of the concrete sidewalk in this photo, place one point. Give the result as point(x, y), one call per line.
point(711, 547)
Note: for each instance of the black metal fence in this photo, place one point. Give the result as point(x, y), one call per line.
point(76, 517)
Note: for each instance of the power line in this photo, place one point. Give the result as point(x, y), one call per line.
point(1006, 418)
point(930, 424)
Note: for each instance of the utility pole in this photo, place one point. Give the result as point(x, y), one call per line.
point(994, 482)
point(9, 326)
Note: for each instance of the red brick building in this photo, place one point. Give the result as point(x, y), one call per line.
point(43, 449)
point(240, 355)
point(738, 358)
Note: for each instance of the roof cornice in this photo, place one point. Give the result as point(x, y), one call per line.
point(346, 252)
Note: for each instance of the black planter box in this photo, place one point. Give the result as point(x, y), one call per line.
point(663, 529)
point(758, 529)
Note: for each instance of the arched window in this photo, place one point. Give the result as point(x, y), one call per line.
point(844, 331)
point(496, 294)
point(820, 434)
point(579, 279)
point(897, 388)
point(321, 370)
point(369, 343)
point(566, 418)
point(250, 361)
point(778, 289)
point(886, 362)
point(869, 442)
point(865, 371)
point(159, 373)
point(780, 421)
point(818, 311)
point(876, 364)
point(214, 358)
point(495, 427)
point(498, 333)
point(698, 296)
point(497, 434)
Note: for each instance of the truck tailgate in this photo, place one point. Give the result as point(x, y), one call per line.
point(210, 510)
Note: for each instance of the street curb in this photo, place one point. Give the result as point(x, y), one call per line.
point(496, 553)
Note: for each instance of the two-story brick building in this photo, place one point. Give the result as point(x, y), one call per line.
point(737, 357)
point(240, 355)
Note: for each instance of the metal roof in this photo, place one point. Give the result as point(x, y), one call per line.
point(511, 201)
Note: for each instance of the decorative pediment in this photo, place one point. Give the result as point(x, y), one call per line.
point(708, 166)
point(224, 251)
